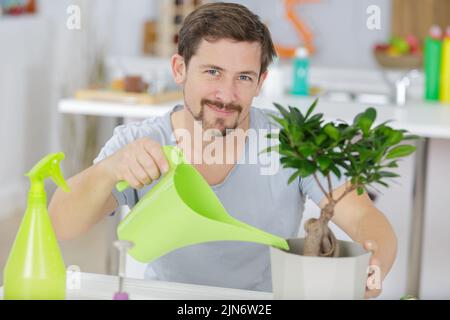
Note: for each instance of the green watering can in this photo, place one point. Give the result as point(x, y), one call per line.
point(182, 210)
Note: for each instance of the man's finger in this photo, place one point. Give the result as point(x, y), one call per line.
point(374, 262)
point(157, 153)
point(372, 293)
point(371, 245)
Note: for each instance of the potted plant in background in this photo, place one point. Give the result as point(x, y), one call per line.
point(320, 266)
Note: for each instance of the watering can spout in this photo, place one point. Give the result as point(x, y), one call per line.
point(181, 210)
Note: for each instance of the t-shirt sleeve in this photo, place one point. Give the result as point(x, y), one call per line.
point(122, 136)
point(309, 187)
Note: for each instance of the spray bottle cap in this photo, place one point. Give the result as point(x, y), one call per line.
point(47, 167)
point(447, 32)
point(301, 52)
point(435, 32)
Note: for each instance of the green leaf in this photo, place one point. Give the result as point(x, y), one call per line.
point(400, 151)
point(282, 110)
point(287, 152)
point(332, 132)
point(270, 149)
point(284, 137)
point(283, 122)
point(364, 153)
point(392, 164)
point(382, 183)
point(394, 137)
point(292, 162)
point(365, 120)
point(320, 139)
point(316, 118)
point(411, 137)
point(371, 113)
point(364, 124)
point(336, 171)
point(360, 190)
point(311, 108)
point(293, 177)
point(388, 174)
point(357, 117)
point(348, 132)
point(324, 162)
point(297, 134)
point(306, 168)
point(383, 124)
point(306, 150)
point(273, 135)
point(296, 115)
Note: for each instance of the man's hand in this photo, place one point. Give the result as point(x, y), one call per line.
point(138, 163)
point(374, 279)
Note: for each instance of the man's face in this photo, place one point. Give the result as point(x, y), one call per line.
point(221, 82)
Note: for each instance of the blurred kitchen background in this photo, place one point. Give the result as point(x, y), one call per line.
point(63, 62)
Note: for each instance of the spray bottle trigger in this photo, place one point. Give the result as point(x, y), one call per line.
point(58, 178)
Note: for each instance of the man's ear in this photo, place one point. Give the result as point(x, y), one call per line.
point(261, 81)
point(178, 68)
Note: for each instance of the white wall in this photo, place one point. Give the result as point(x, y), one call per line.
point(24, 104)
point(42, 61)
point(341, 36)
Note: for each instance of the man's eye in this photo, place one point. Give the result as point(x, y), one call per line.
point(245, 78)
point(212, 72)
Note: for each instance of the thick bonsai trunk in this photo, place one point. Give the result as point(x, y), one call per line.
point(320, 240)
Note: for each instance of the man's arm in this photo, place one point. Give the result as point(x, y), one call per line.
point(363, 222)
point(91, 199)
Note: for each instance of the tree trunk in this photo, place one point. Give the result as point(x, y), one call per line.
point(320, 241)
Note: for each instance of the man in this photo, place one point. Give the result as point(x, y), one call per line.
point(223, 54)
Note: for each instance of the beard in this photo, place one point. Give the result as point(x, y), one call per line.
point(218, 126)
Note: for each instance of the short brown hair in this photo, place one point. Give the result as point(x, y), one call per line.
point(215, 21)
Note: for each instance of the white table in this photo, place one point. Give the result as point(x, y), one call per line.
point(425, 119)
point(111, 109)
point(102, 287)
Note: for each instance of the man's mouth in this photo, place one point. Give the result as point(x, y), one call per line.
point(222, 112)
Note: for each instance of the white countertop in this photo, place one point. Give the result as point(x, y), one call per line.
point(102, 287)
point(421, 118)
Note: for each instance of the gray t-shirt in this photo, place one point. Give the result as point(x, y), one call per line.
point(265, 201)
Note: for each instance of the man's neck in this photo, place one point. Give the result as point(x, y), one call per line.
point(184, 124)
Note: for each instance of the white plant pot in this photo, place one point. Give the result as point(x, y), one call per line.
point(295, 276)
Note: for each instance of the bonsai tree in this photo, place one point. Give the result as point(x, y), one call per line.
point(364, 153)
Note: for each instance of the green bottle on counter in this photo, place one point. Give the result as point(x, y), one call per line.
point(433, 49)
point(35, 268)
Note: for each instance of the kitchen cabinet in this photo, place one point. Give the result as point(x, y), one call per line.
point(417, 16)
point(435, 277)
point(395, 203)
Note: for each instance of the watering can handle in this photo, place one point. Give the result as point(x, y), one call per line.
point(174, 156)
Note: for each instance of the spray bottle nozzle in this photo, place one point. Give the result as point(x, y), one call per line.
point(49, 166)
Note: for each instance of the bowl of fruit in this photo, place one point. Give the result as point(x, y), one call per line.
point(399, 53)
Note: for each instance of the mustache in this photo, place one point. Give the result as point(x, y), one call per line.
point(220, 105)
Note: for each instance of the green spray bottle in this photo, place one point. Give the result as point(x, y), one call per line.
point(35, 268)
point(432, 63)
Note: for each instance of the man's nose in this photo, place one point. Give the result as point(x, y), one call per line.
point(227, 91)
